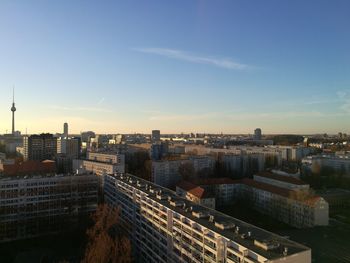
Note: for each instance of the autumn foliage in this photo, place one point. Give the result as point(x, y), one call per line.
point(107, 240)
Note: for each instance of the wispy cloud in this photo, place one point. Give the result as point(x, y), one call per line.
point(189, 57)
point(90, 109)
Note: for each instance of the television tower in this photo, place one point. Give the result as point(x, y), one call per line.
point(13, 109)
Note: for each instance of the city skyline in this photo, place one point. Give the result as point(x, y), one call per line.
point(177, 67)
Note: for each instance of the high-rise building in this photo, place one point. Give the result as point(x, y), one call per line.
point(65, 129)
point(35, 205)
point(167, 228)
point(155, 136)
point(257, 134)
point(40, 147)
point(69, 146)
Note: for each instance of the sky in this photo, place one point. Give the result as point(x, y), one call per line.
point(178, 66)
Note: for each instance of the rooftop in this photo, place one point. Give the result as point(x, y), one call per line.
point(97, 161)
point(234, 229)
point(194, 189)
point(41, 176)
point(28, 167)
point(310, 200)
point(277, 177)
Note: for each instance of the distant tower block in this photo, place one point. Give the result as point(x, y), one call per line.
point(13, 109)
point(257, 134)
point(65, 129)
point(155, 136)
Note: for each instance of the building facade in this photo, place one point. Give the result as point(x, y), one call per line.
point(106, 157)
point(35, 205)
point(285, 200)
point(339, 163)
point(40, 147)
point(167, 228)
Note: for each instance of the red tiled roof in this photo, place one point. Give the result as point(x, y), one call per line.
point(282, 178)
point(193, 189)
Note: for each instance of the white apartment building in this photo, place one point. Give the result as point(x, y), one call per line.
point(244, 164)
point(101, 163)
point(284, 199)
point(340, 163)
point(166, 173)
point(35, 205)
point(167, 228)
point(97, 167)
point(202, 162)
point(106, 157)
point(295, 208)
point(68, 146)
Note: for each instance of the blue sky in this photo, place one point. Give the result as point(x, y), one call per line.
point(178, 66)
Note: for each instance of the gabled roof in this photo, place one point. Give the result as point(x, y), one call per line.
point(195, 190)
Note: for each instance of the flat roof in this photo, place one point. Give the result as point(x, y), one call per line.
point(256, 232)
point(42, 176)
point(281, 178)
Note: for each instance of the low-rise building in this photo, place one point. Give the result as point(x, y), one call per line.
point(113, 158)
point(98, 167)
point(284, 199)
point(338, 163)
point(196, 194)
point(287, 182)
point(100, 163)
point(27, 167)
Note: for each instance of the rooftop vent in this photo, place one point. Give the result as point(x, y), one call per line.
point(267, 244)
point(200, 214)
point(161, 196)
point(244, 236)
point(224, 225)
point(285, 251)
point(177, 203)
point(211, 219)
point(237, 230)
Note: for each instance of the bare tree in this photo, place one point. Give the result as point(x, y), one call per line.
point(108, 242)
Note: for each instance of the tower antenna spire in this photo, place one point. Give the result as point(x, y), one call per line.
point(13, 109)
